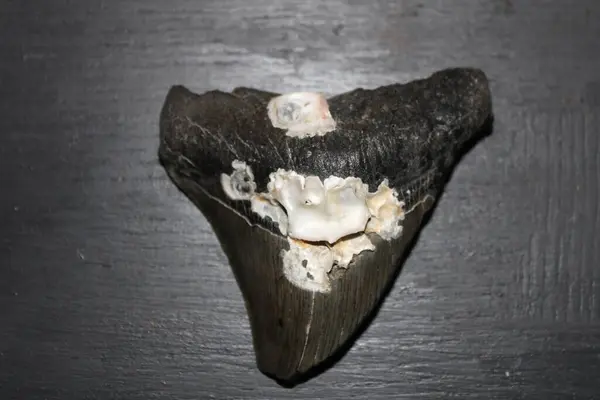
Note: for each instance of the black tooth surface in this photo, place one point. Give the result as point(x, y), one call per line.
point(413, 134)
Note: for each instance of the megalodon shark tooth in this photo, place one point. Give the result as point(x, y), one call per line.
point(316, 201)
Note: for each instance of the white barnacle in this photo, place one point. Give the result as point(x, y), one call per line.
point(240, 184)
point(386, 211)
point(318, 211)
point(303, 114)
point(307, 265)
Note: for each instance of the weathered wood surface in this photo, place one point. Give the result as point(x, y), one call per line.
point(112, 284)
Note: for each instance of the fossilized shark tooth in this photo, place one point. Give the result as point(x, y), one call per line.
point(317, 201)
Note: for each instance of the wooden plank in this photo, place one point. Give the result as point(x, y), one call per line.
point(112, 284)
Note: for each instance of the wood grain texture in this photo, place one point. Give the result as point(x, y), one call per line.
point(112, 284)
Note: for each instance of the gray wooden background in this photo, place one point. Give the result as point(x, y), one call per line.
point(113, 286)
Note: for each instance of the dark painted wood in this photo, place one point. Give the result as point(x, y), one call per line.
point(112, 284)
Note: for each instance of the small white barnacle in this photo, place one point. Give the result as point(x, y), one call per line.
point(240, 184)
point(303, 114)
point(386, 212)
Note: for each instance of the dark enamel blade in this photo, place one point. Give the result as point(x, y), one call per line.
point(407, 135)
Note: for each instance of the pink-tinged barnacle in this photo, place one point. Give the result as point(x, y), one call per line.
point(302, 114)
